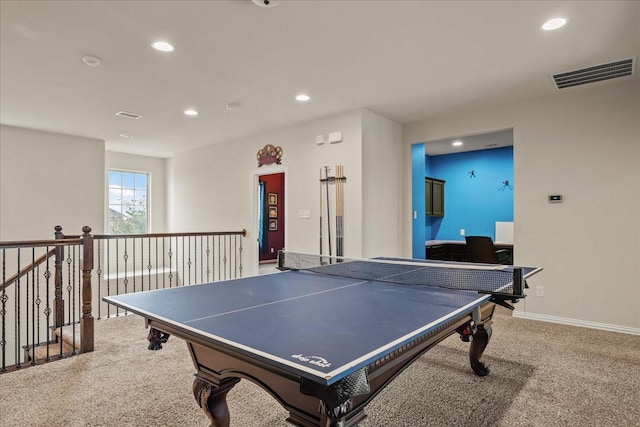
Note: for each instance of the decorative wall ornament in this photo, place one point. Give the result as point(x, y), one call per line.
point(505, 185)
point(268, 155)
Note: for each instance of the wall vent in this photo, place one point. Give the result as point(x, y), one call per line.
point(128, 115)
point(597, 73)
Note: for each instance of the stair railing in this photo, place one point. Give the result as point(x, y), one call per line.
point(139, 262)
point(87, 267)
point(28, 312)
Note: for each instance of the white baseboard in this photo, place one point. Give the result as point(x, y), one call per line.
point(576, 322)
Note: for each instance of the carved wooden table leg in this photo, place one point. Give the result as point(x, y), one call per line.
point(213, 400)
point(478, 344)
point(156, 339)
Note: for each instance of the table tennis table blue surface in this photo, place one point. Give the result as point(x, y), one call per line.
point(319, 327)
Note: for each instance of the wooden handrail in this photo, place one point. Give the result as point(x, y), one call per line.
point(243, 232)
point(27, 269)
point(40, 243)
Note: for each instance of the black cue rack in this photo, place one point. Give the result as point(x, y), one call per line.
point(337, 180)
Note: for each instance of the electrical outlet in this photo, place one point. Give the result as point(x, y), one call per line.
point(539, 291)
point(462, 231)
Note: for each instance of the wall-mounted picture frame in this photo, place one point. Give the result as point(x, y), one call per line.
point(273, 198)
point(273, 212)
point(273, 225)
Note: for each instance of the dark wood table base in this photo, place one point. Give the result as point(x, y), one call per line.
point(311, 404)
point(213, 400)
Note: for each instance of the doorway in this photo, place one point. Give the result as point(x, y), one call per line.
point(477, 172)
point(271, 217)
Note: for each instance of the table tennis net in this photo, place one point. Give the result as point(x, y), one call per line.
point(483, 278)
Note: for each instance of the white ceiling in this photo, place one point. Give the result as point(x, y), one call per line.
point(406, 60)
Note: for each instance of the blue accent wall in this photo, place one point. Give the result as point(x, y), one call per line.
point(418, 165)
point(476, 202)
point(473, 203)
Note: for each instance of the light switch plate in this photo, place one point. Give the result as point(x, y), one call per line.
point(304, 214)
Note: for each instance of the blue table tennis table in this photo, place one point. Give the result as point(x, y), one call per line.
point(325, 335)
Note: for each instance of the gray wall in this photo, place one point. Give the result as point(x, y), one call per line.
point(584, 144)
point(49, 179)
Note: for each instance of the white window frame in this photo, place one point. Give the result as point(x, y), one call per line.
point(147, 198)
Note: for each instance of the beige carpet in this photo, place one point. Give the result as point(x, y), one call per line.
point(541, 375)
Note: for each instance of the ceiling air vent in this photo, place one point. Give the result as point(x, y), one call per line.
point(128, 115)
point(597, 73)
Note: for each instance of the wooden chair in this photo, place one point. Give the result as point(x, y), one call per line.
point(481, 249)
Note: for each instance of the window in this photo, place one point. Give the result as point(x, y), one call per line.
point(128, 209)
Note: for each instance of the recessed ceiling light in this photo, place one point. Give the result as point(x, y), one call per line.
point(125, 135)
point(162, 46)
point(190, 112)
point(457, 143)
point(302, 97)
point(554, 24)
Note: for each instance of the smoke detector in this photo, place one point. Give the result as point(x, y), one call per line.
point(266, 3)
point(91, 61)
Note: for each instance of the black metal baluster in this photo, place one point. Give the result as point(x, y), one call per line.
point(241, 256)
point(188, 256)
point(117, 274)
point(99, 273)
point(72, 321)
point(235, 256)
point(17, 315)
point(164, 259)
point(149, 266)
point(219, 258)
point(70, 305)
point(108, 276)
point(38, 301)
point(170, 259)
point(3, 313)
point(184, 281)
point(125, 257)
point(208, 253)
point(133, 272)
point(70, 296)
point(225, 257)
point(77, 296)
point(47, 310)
point(31, 344)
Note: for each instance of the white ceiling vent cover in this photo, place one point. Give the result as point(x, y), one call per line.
point(128, 115)
point(597, 73)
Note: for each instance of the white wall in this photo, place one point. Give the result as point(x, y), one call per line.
point(584, 144)
point(157, 183)
point(213, 186)
point(381, 186)
point(49, 179)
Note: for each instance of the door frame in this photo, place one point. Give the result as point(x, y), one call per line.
point(255, 176)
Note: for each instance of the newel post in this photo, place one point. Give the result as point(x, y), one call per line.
point(86, 321)
point(58, 300)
